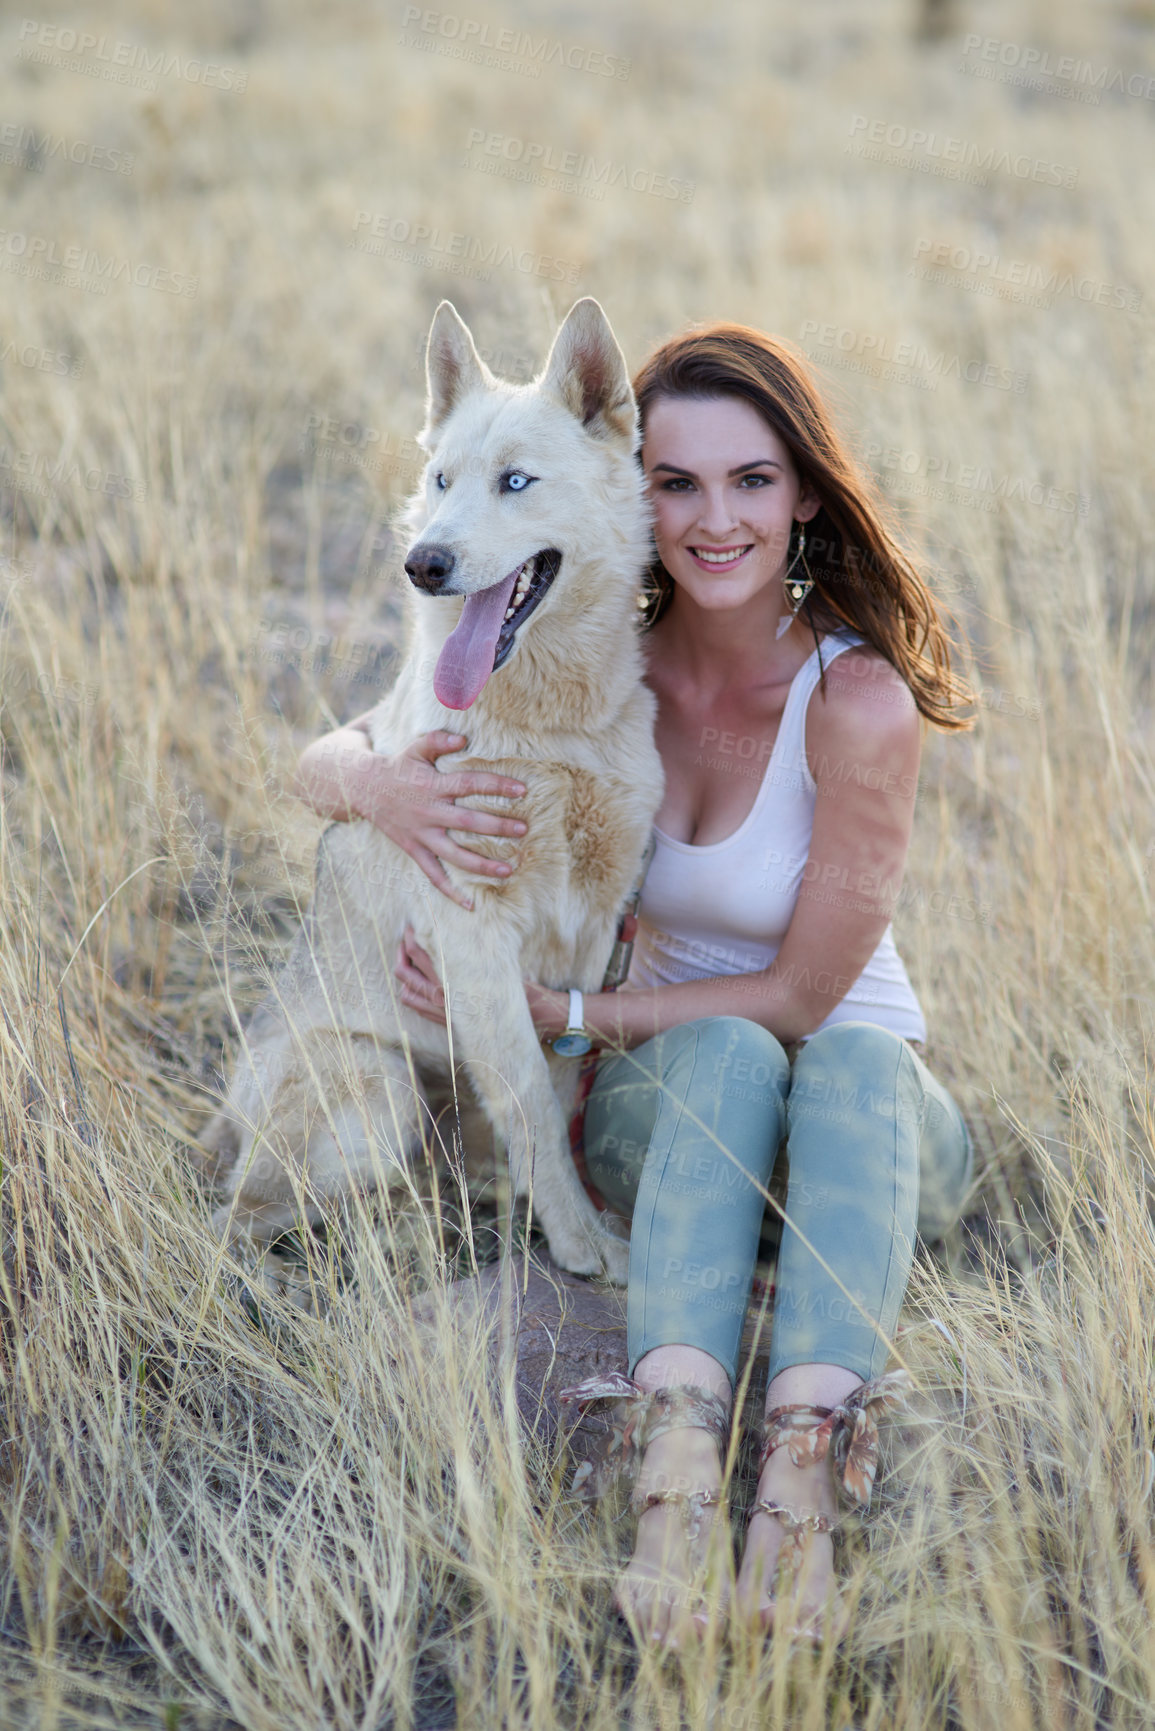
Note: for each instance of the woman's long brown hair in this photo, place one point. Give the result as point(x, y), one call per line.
point(862, 577)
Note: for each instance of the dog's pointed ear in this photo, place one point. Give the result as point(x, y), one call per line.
point(453, 367)
point(588, 371)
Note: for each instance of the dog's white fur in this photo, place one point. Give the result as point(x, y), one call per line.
point(335, 1072)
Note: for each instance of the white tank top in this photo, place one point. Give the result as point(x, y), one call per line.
point(724, 908)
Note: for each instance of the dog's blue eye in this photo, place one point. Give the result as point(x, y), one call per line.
point(441, 481)
point(516, 481)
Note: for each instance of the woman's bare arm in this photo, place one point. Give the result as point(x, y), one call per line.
point(331, 770)
point(863, 747)
point(341, 777)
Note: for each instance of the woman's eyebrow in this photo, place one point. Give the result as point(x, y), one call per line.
point(758, 463)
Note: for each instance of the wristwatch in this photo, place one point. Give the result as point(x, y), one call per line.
point(575, 1042)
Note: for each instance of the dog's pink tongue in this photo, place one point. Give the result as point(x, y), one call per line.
point(466, 661)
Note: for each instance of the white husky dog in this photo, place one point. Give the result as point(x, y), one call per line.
point(531, 534)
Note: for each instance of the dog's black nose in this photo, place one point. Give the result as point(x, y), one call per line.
point(429, 568)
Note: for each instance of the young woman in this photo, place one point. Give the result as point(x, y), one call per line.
point(793, 649)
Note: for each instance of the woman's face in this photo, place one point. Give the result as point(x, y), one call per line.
point(726, 494)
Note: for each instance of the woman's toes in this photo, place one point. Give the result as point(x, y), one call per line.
point(759, 1564)
point(661, 1590)
point(769, 1590)
point(644, 1601)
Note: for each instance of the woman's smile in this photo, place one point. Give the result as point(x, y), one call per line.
point(720, 558)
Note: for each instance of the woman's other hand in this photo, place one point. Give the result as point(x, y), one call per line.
point(421, 990)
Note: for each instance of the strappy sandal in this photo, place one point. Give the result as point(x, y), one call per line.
point(809, 1431)
point(642, 1416)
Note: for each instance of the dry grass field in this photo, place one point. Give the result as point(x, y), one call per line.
point(228, 1502)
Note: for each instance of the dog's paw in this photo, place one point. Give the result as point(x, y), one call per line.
point(598, 1254)
point(229, 1225)
point(576, 1256)
point(216, 1147)
point(258, 1221)
point(615, 1253)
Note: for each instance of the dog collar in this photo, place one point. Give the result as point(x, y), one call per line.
point(575, 1042)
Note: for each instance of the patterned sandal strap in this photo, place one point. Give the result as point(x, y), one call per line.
point(852, 1427)
point(796, 1521)
point(805, 1429)
point(693, 1505)
point(856, 1442)
point(647, 1414)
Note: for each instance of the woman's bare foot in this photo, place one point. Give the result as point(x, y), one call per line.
point(802, 1601)
point(673, 1585)
point(807, 1595)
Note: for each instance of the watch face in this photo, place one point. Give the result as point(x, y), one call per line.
point(572, 1045)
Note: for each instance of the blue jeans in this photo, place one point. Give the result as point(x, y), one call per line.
point(685, 1134)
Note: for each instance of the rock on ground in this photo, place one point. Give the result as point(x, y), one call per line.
point(562, 1329)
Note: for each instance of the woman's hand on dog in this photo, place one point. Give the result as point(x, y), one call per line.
point(421, 990)
point(415, 807)
point(409, 799)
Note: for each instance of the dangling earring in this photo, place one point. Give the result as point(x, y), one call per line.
point(655, 591)
point(797, 588)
